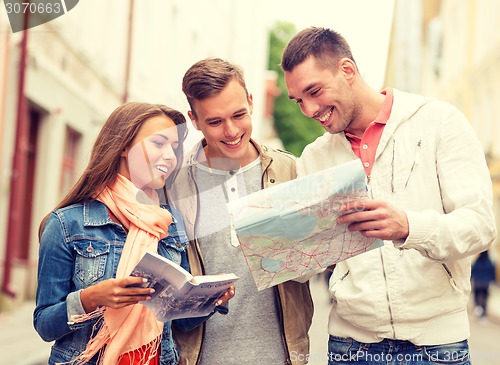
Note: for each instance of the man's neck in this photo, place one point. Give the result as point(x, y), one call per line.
point(367, 113)
point(222, 163)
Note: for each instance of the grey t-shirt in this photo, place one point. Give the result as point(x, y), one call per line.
point(250, 333)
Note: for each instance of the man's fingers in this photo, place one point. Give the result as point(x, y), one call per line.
point(364, 226)
point(357, 205)
point(348, 218)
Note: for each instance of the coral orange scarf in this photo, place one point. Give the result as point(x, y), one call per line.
point(127, 329)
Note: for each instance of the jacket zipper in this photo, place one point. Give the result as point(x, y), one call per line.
point(282, 324)
point(198, 252)
point(387, 295)
point(368, 186)
point(451, 279)
point(368, 179)
point(276, 290)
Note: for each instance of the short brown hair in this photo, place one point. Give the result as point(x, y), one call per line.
point(209, 77)
point(324, 44)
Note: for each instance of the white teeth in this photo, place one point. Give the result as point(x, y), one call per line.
point(233, 142)
point(162, 169)
point(325, 117)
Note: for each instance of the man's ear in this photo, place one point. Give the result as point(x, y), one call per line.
point(250, 103)
point(193, 119)
point(348, 67)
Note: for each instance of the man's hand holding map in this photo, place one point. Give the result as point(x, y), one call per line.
point(289, 230)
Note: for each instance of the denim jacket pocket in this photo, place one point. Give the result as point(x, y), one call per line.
point(175, 243)
point(90, 262)
point(171, 248)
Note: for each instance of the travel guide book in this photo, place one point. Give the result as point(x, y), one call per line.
point(178, 294)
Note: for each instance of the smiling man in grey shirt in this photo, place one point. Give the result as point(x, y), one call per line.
point(266, 327)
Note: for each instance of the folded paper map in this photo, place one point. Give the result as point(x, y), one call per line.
point(290, 229)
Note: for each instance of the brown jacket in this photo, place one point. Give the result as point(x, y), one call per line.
point(293, 298)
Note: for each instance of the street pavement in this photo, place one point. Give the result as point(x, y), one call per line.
point(21, 345)
point(19, 342)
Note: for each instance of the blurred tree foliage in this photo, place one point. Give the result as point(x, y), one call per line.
point(293, 128)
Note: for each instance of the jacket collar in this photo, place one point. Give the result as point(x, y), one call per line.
point(95, 213)
point(404, 106)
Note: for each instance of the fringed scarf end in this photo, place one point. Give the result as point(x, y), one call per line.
point(143, 355)
point(79, 318)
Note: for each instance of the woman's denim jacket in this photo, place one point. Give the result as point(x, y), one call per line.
point(80, 246)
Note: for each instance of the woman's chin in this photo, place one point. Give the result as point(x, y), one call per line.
point(157, 183)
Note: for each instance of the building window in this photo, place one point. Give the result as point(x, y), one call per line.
point(71, 149)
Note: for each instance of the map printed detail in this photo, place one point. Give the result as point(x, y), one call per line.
point(289, 230)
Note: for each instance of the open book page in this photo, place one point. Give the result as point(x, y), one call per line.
point(290, 229)
point(177, 293)
point(203, 291)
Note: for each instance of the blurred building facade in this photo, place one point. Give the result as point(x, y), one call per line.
point(59, 82)
point(451, 50)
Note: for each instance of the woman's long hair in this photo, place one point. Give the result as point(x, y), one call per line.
point(116, 135)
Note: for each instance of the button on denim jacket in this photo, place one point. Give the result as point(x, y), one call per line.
point(80, 246)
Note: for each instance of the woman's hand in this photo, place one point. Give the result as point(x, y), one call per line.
point(115, 293)
point(228, 295)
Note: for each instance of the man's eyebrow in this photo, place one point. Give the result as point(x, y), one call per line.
point(242, 109)
point(308, 87)
point(212, 119)
point(304, 90)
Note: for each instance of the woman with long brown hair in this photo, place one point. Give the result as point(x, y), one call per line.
point(86, 301)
